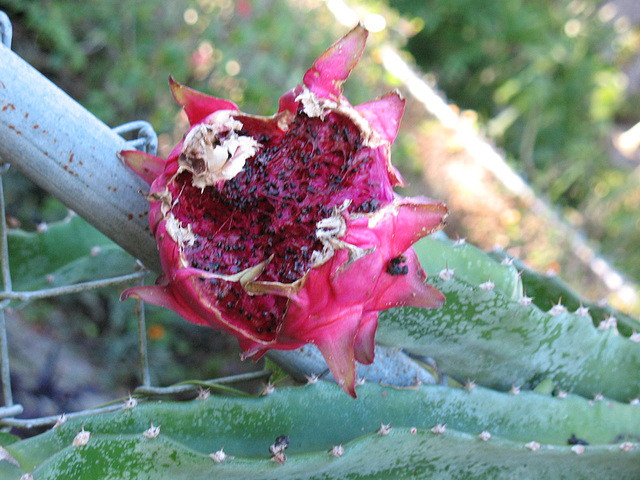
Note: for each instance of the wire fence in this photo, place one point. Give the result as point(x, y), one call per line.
point(139, 135)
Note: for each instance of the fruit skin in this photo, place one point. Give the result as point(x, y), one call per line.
point(360, 261)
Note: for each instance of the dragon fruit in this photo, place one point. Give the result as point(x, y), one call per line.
point(285, 230)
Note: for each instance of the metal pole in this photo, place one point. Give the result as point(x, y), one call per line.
point(70, 153)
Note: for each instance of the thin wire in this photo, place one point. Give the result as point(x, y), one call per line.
point(183, 387)
point(69, 289)
point(142, 342)
point(5, 372)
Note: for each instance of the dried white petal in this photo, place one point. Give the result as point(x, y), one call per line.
point(214, 152)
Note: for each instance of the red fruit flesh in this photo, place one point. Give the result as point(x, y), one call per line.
point(272, 206)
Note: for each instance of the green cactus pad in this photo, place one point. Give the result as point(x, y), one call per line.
point(320, 416)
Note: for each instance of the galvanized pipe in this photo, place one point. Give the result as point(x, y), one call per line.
point(70, 153)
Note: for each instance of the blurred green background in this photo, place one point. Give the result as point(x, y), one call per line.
point(551, 82)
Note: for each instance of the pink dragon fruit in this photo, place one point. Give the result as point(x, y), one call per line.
point(285, 230)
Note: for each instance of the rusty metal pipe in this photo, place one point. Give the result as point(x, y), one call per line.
point(66, 150)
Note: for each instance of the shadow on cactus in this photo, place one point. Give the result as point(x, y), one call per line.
point(285, 230)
